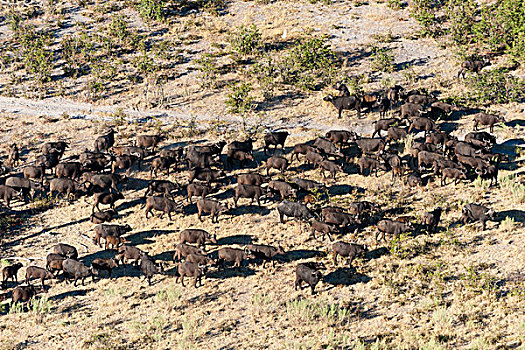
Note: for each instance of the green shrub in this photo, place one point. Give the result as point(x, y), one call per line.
point(461, 16)
point(246, 41)
point(264, 71)
point(502, 25)
point(425, 13)
point(239, 99)
point(35, 54)
point(144, 63)
point(151, 10)
point(495, 86)
point(209, 69)
point(382, 59)
point(311, 64)
point(215, 7)
point(118, 28)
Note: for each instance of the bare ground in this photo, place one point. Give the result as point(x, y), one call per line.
point(459, 288)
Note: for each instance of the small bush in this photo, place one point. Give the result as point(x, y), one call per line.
point(496, 86)
point(382, 59)
point(239, 99)
point(425, 13)
point(310, 311)
point(151, 10)
point(207, 66)
point(310, 65)
point(246, 41)
point(264, 71)
point(118, 28)
point(35, 54)
point(507, 224)
point(461, 17)
point(215, 7)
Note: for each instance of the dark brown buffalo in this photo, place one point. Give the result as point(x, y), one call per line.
point(251, 179)
point(127, 252)
point(302, 148)
point(452, 173)
point(182, 250)
point(76, 269)
point(102, 216)
point(332, 167)
point(106, 198)
point(304, 273)
point(23, 293)
point(101, 264)
point(314, 158)
point(197, 236)
point(35, 173)
point(248, 191)
point(283, 188)
point(474, 66)
point(149, 268)
point(324, 228)
point(276, 162)
point(293, 210)
point(237, 256)
point(149, 141)
point(189, 269)
point(371, 164)
point(207, 175)
point(265, 252)
point(431, 219)
point(487, 119)
point(340, 136)
point(165, 205)
point(344, 103)
point(212, 207)
point(73, 170)
point(347, 250)
point(39, 273)
point(392, 228)
point(368, 145)
point(422, 123)
point(104, 142)
point(8, 194)
point(10, 272)
point(275, 138)
point(383, 125)
point(475, 212)
point(194, 189)
point(165, 187)
point(65, 250)
point(241, 156)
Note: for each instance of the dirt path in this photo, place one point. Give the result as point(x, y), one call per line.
point(57, 107)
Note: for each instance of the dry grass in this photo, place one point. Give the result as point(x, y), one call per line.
point(459, 288)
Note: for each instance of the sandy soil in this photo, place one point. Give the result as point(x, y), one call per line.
point(459, 288)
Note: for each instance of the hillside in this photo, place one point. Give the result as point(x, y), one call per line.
point(208, 71)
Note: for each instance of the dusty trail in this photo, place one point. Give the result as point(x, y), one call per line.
point(56, 107)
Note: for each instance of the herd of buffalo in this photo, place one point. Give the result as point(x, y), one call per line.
point(103, 171)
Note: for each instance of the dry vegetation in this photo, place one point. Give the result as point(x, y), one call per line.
point(459, 288)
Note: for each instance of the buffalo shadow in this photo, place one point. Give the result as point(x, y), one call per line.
point(376, 253)
point(336, 190)
point(249, 209)
point(135, 183)
point(345, 276)
point(517, 215)
point(515, 122)
point(71, 293)
point(236, 239)
point(293, 255)
point(143, 237)
point(229, 272)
